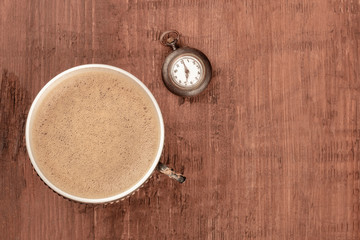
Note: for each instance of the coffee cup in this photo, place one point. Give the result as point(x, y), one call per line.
point(89, 123)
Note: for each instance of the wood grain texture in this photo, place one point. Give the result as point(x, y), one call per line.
point(270, 149)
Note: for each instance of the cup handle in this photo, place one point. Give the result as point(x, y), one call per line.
point(170, 173)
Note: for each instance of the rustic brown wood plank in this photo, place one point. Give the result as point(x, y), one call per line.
point(270, 149)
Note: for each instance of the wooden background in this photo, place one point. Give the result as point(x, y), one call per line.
point(270, 149)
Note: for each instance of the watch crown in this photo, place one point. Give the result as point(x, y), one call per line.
point(170, 38)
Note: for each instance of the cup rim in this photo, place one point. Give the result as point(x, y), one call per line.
point(94, 200)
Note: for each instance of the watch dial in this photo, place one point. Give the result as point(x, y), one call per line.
point(187, 71)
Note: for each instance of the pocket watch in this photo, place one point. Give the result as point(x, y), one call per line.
point(186, 71)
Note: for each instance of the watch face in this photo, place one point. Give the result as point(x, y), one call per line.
point(187, 71)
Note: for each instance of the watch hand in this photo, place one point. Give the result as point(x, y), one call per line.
point(186, 70)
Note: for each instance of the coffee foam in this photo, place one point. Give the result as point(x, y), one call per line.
point(95, 134)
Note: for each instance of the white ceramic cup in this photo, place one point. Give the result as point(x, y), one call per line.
point(155, 163)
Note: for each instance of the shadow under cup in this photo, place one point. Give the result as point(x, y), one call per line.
point(99, 164)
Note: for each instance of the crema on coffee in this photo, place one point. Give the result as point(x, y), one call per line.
point(95, 133)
